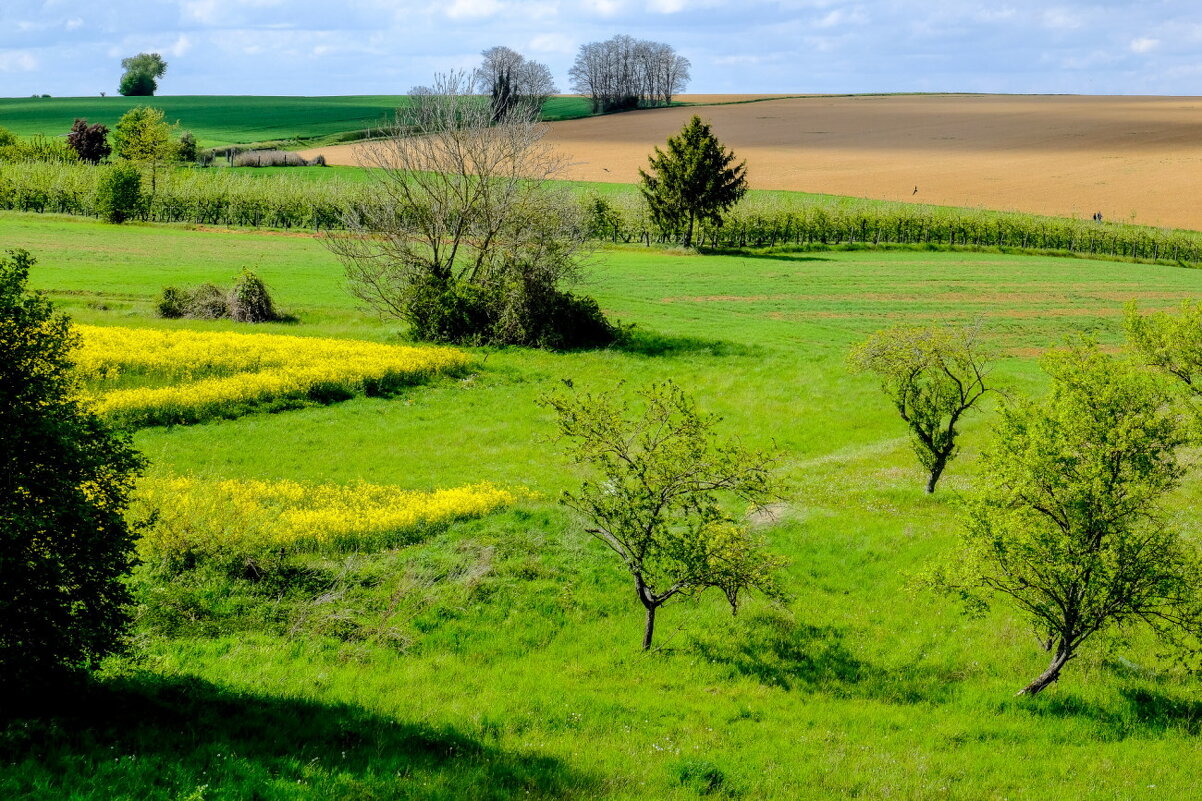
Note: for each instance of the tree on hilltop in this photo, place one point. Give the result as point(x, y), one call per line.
point(141, 74)
point(510, 79)
point(696, 180)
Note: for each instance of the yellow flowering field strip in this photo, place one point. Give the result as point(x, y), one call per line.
point(195, 517)
point(212, 374)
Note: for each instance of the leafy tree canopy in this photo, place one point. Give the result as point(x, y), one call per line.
point(65, 479)
point(1069, 529)
point(141, 72)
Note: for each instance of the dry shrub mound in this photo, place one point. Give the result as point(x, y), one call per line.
point(269, 158)
point(248, 302)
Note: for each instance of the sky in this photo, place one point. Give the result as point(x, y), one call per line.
point(347, 47)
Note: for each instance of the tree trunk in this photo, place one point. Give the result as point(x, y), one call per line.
point(688, 237)
point(649, 631)
point(1050, 675)
point(936, 472)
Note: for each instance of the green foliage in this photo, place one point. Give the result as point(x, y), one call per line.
point(250, 302)
point(933, 376)
point(172, 303)
point(510, 631)
point(657, 500)
point(1070, 527)
point(1170, 343)
point(65, 480)
point(119, 193)
point(143, 137)
point(187, 149)
point(694, 181)
point(39, 149)
point(141, 72)
point(7, 137)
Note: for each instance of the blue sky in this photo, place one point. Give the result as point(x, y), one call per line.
point(326, 47)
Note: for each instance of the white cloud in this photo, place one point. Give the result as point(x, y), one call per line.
point(556, 43)
point(473, 9)
point(73, 23)
point(602, 8)
point(1062, 18)
point(1144, 44)
point(17, 61)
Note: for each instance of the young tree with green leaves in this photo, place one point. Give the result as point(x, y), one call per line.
point(696, 180)
point(1068, 528)
point(934, 376)
point(143, 137)
point(141, 74)
point(656, 500)
point(1171, 343)
point(65, 481)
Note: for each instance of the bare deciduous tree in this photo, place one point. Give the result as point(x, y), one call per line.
point(509, 78)
point(462, 235)
point(624, 72)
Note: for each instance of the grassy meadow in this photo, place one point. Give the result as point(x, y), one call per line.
point(223, 120)
point(498, 657)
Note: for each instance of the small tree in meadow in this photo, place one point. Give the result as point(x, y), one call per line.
point(1171, 343)
point(934, 376)
point(657, 496)
point(1068, 528)
point(143, 137)
point(696, 180)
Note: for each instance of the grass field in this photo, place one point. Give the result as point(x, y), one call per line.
point(221, 120)
point(497, 658)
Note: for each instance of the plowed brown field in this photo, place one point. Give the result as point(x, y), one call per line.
point(1132, 158)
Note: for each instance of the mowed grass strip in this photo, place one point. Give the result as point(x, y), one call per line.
point(511, 642)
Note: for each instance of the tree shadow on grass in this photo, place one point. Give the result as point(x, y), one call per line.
point(642, 342)
point(777, 651)
point(1136, 711)
point(150, 737)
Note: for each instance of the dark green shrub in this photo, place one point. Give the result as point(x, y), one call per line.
point(186, 147)
point(459, 313)
point(172, 303)
point(119, 192)
point(250, 301)
point(65, 481)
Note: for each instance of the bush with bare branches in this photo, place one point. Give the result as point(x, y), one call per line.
point(465, 238)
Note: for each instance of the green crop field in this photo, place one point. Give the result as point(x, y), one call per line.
point(221, 120)
point(498, 657)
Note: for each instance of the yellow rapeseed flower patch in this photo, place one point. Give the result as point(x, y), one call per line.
point(198, 518)
point(215, 373)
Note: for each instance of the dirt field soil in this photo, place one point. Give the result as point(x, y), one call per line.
point(1132, 158)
